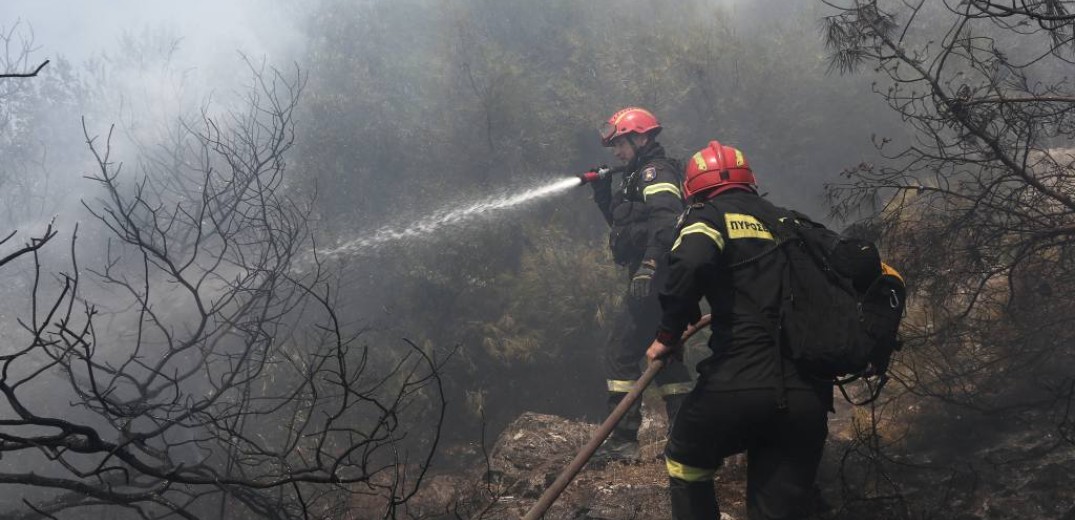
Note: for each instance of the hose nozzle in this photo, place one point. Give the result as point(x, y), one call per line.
point(597, 174)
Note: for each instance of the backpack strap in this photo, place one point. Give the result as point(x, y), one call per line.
point(875, 391)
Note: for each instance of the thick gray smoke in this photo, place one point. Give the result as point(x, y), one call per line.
point(132, 70)
point(140, 66)
point(211, 31)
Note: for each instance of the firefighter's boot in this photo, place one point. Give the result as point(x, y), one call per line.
point(622, 444)
point(616, 449)
point(693, 499)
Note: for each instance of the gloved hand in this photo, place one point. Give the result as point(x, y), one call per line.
point(642, 280)
point(602, 188)
point(602, 195)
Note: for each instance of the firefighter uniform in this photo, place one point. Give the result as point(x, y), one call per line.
point(642, 214)
point(723, 252)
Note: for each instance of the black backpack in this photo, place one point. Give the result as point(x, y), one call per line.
point(841, 306)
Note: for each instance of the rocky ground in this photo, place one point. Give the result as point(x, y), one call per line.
point(531, 453)
point(1021, 477)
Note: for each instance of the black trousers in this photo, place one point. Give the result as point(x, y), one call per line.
point(783, 451)
point(634, 328)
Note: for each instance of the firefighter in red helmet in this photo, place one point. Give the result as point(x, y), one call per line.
point(641, 212)
point(723, 252)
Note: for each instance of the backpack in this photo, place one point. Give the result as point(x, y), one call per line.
point(841, 306)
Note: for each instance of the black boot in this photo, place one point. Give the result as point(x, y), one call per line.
point(618, 449)
point(622, 444)
point(693, 500)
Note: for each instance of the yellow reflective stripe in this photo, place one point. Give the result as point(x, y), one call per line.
point(688, 473)
point(656, 188)
point(887, 269)
point(703, 228)
point(676, 388)
point(699, 161)
point(620, 386)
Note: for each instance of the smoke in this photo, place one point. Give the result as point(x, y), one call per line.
point(211, 31)
point(139, 66)
point(130, 71)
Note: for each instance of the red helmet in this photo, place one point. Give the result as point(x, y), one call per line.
point(717, 166)
point(629, 120)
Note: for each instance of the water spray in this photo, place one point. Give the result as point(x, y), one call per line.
point(459, 214)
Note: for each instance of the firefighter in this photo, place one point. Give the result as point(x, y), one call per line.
point(722, 252)
point(641, 212)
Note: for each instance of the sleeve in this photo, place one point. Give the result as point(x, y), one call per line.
point(664, 203)
point(697, 248)
point(602, 195)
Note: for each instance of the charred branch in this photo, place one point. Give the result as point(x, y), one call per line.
point(976, 207)
point(230, 385)
point(30, 74)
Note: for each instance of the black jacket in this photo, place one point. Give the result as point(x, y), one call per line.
point(642, 212)
point(724, 253)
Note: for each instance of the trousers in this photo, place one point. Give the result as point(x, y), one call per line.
point(783, 448)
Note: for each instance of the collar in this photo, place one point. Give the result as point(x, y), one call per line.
point(727, 188)
point(652, 150)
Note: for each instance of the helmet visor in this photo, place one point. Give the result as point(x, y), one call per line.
point(607, 130)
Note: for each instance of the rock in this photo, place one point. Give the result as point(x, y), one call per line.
point(531, 452)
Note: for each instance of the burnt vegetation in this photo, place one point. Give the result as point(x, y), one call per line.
point(219, 380)
point(976, 207)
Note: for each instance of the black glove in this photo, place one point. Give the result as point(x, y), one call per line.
point(602, 195)
point(602, 189)
point(642, 280)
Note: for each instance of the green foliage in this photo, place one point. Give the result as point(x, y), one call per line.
point(558, 297)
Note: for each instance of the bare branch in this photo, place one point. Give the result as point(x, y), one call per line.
point(25, 74)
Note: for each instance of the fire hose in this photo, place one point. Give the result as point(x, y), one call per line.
point(568, 474)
